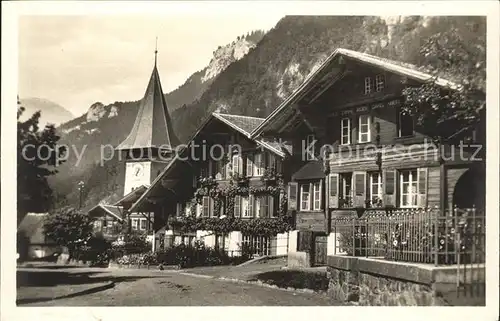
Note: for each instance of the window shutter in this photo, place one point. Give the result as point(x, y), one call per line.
point(223, 168)
point(390, 187)
point(334, 191)
point(311, 197)
point(206, 206)
point(211, 209)
point(359, 189)
point(240, 164)
point(237, 206)
point(210, 168)
point(292, 195)
point(320, 194)
point(250, 205)
point(422, 187)
point(249, 165)
point(263, 206)
point(271, 206)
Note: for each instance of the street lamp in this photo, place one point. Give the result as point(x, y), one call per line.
point(81, 185)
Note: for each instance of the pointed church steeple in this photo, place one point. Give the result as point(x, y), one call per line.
point(152, 128)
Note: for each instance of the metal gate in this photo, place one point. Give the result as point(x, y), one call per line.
point(470, 236)
point(320, 250)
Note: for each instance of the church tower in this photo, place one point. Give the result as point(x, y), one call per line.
point(151, 142)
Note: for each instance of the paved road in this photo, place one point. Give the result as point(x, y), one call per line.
point(71, 287)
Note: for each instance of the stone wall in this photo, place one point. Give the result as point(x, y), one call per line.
point(378, 282)
point(372, 290)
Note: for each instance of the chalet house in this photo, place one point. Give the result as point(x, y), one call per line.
point(108, 220)
point(365, 153)
point(219, 157)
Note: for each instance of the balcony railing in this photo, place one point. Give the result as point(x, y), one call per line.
point(413, 235)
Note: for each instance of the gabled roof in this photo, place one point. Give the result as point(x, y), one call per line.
point(247, 124)
point(111, 210)
point(132, 196)
point(242, 124)
point(152, 127)
point(404, 69)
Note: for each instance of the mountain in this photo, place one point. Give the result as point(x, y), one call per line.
point(50, 111)
point(258, 82)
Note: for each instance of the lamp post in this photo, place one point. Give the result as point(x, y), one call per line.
point(81, 185)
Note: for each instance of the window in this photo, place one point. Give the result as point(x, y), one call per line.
point(258, 245)
point(346, 189)
point(310, 142)
point(245, 210)
point(405, 125)
point(379, 83)
point(375, 188)
point(408, 185)
point(272, 162)
point(364, 129)
point(237, 165)
point(346, 131)
point(258, 165)
point(97, 225)
point(317, 196)
point(134, 224)
point(180, 209)
point(368, 85)
point(249, 165)
point(143, 224)
point(220, 169)
point(220, 241)
point(305, 201)
point(263, 206)
point(206, 206)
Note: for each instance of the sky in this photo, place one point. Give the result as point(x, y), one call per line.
point(75, 61)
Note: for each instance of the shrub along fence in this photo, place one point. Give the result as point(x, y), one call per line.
point(413, 235)
point(181, 255)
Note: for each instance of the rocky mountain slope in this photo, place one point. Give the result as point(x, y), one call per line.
point(51, 112)
point(255, 84)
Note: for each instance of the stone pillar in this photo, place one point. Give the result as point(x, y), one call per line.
point(282, 244)
point(235, 239)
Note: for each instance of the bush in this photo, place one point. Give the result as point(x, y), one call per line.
point(181, 255)
point(134, 244)
point(95, 251)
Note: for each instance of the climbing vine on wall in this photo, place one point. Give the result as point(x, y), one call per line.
point(226, 222)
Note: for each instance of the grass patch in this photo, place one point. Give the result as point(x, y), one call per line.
point(297, 279)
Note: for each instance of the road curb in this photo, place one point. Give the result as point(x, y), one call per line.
point(108, 285)
point(258, 283)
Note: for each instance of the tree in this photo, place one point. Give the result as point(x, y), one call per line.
point(451, 54)
point(68, 227)
point(38, 155)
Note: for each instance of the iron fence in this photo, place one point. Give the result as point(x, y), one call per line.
point(413, 235)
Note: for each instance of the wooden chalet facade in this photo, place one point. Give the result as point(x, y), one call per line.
point(219, 155)
point(364, 152)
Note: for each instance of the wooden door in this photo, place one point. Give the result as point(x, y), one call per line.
point(320, 250)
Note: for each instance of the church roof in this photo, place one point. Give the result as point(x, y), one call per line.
point(152, 127)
